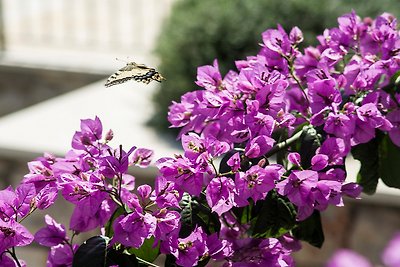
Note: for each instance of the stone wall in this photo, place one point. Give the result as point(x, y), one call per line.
point(24, 86)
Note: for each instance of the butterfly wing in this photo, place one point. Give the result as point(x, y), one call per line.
point(138, 72)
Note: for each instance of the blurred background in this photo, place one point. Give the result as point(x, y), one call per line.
point(56, 54)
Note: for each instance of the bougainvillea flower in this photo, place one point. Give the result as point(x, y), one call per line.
point(220, 194)
point(13, 234)
point(258, 146)
point(51, 235)
point(298, 187)
point(131, 230)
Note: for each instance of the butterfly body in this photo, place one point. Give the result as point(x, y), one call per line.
point(137, 72)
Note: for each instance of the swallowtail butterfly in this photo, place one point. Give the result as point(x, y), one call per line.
point(138, 72)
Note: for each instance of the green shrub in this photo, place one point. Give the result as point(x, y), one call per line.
point(198, 31)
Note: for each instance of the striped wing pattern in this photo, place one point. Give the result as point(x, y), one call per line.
point(137, 72)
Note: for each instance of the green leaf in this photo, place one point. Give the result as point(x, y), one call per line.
point(395, 79)
point(146, 252)
point(244, 214)
point(276, 216)
point(368, 156)
point(389, 158)
point(195, 212)
point(92, 253)
point(109, 231)
point(310, 230)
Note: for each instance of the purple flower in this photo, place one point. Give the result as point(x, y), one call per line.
point(220, 194)
point(347, 258)
point(209, 77)
point(25, 194)
point(272, 94)
point(186, 175)
point(256, 182)
point(13, 234)
point(327, 192)
point(41, 172)
point(319, 162)
point(117, 164)
point(273, 253)
point(251, 252)
point(199, 148)
point(390, 256)
point(295, 35)
point(260, 124)
point(394, 133)
point(167, 222)
point(91, 131)
point(277, 40)
point(8, 200)
point(363, 133)
point(46, 197)
point(294, 158)
point(144, 192)
point(322, 94)
point(258, 146)
point(189, 250)
point(352, 190)
point(131, 230)
point(298, 187)
point(6, 261)
point(218, 249)
point(61, 255)
point(165, 193)
point(51, 235)
point(370, 114)
point(335, 148)
point(142, 157)
point(91, 212)
point(339, 125)
point(181, 114)
point(234, 162)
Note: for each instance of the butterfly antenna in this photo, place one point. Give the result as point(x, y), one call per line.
point(121, 60)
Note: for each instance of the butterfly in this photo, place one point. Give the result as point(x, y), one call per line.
point(138, 72)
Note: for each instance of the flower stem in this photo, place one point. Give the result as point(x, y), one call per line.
point(146, 262)
point(284, 144)
point(14, 256)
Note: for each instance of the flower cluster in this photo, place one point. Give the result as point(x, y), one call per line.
point(264, 149)
point(341, 90)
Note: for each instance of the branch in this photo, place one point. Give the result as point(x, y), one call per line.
point(284, 144)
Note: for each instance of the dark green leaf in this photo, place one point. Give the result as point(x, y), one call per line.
point(310, 140)
point(389, 158)
point(195, 212)
point(276, 216)
point(368, 156)
point(186, 205)
point(109, 231)
point(92, 253)
point(244, 214)
point(223, 166)
point(395, 79)
point(117, 257)
point(170, 261)
point(146, 251)
point(310, 230)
